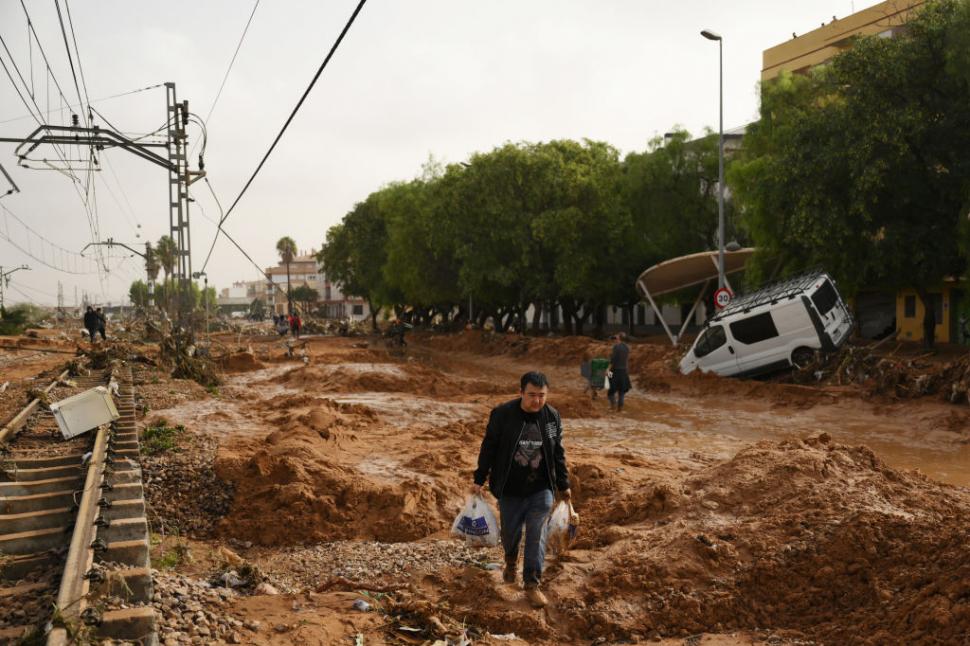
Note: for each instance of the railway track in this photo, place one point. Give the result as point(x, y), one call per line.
point(74, 565)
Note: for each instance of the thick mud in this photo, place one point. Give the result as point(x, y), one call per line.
point(707, 505)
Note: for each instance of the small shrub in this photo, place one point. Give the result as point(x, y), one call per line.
point(159, 437)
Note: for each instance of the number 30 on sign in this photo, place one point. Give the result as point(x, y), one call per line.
point(722, 297)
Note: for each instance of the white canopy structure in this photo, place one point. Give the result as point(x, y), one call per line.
point(686, 271)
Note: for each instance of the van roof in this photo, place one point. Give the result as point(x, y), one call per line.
point(769, 294)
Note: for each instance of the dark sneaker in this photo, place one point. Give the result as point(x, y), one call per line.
point(535, 598)
point(508, 574)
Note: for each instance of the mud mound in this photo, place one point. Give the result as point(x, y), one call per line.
point(288, 403)
point(561, 350)
point(572, 406)
point(303, 474)
point(412, 378)
point(805, 535)
point(243, 361)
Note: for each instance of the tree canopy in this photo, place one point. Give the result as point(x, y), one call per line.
point(555, 224)
point(861, 167)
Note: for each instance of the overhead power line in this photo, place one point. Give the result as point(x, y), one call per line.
point(61, 259)
point(99, 100)
point(279, 136)
point(30, 25)
point(67, 46)
point(236, 53)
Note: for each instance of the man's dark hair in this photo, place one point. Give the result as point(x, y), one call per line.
point(537, 379)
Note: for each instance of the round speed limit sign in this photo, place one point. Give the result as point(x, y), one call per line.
point(722, 297)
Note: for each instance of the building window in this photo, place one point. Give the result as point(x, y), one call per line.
point(909, 307)
point(358, 310)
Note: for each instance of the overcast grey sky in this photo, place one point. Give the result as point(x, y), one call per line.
point(412, 79)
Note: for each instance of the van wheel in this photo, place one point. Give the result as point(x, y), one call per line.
point(802, 357)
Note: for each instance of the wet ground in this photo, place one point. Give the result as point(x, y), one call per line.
point(672, 425)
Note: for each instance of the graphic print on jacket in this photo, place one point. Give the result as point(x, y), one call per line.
point(527, 475)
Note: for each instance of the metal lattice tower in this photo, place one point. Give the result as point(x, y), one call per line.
point(178, 187)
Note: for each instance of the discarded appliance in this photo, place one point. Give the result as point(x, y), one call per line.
point(85, 411)
point(774, 328)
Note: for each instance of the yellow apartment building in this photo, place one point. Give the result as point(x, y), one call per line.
point(808, 50)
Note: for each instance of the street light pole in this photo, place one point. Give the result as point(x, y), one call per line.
point(710, 35)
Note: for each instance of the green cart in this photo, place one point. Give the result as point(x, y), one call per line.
point(594, 371)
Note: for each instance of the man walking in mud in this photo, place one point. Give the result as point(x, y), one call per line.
point(524, 461)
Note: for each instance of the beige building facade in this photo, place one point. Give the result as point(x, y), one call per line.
point(816, 47)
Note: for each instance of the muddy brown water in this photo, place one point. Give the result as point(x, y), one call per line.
point(912, 435)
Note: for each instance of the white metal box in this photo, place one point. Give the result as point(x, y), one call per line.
point(84, 411)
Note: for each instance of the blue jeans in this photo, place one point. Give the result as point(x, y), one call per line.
point(531, 512)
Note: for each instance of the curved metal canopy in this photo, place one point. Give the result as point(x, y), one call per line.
point(686, 271)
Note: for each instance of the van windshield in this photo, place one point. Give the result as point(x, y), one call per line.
point(825, 298)
point(712, 339)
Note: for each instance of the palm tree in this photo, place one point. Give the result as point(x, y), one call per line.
point(287, 250)
point(151, 268)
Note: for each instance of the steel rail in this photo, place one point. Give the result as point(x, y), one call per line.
point(17, 422)
point(80, 556)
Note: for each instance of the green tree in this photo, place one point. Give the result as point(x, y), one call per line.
point(257, 309)
point(355, 253)
point(138, 293)
point(286, 248)
point(420, 263)
point(306, 296)
point(862, 168)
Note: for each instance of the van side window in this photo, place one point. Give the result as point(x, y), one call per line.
point(712, 339)
point(825, 298)
point(754, 329)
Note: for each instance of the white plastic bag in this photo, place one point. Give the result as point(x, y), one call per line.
point(561, 527)
point(476, 523)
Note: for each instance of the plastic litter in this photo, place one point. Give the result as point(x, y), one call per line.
point(561, 527)
point(507, 637)
point(361, 605)
point(476, 523)
point(231, 580)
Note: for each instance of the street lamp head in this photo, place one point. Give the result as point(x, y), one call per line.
point(710, 35)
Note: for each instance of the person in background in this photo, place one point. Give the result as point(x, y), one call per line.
point(296, 324)
point(102, 323)
point(91, 322)
point(619, 372)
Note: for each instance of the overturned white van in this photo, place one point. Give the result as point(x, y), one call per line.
point(773, 328)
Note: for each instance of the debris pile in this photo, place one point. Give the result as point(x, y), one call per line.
point(890, 376)
point(179, 350)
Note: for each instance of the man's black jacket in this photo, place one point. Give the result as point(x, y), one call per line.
point(91, 320)
point(505, 426)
